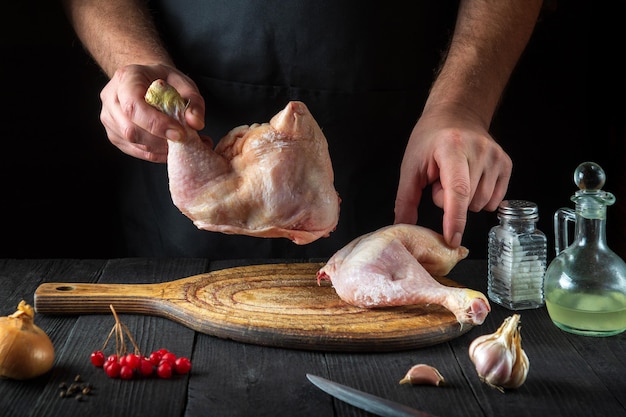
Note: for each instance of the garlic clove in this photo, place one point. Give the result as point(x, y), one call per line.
point(520, 370)
point(493, 362)
point(499, 358)
point(422, 374)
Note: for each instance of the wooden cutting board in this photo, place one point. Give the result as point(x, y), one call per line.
point(273, 305)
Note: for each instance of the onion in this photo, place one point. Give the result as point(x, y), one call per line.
point(25, 350)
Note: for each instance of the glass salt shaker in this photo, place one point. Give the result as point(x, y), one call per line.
point(517, 257)
point(585, 284)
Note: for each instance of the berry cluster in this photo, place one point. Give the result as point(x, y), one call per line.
point(162, 362)
point(125, 365)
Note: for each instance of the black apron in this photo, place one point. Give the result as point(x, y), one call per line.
point(362, 67)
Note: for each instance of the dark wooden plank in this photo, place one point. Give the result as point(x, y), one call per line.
point(19, 279)
point(114, 397)
point(559, 382)
point(86, 333)
point(569, 375)
point(606, 358)
point(237, 379)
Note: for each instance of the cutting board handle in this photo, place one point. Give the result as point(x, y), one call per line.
point(79, 298)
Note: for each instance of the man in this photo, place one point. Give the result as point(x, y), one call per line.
point(364, 70)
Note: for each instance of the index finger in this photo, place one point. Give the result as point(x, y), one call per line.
point(194, 114)
point(456, 184)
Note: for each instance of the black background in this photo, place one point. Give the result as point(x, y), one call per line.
point(564, 105)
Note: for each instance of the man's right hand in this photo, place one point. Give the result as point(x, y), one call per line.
point(137, 128)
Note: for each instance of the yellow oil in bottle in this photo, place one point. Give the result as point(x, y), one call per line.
point(587, 314)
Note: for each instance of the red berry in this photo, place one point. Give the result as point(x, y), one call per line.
point(164, 370)
point(155, 358)
point(112, 358)
point(97, 358)
point(146, 368)
point(133, 361)
point(162, 351)
point(182, 365)
point(168, 357)
point(112, 369)
point(126, 372)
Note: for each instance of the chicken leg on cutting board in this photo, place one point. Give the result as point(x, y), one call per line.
point(394, 266)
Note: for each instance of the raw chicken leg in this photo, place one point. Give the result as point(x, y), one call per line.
point(392, 267)
point(269, 180)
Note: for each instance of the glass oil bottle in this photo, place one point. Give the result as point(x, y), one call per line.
point(585, 284)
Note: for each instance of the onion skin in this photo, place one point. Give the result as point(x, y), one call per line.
point(26, 351)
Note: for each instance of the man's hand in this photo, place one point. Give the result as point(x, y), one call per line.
point(134, 126)
point(450, 146)
point(452, 151)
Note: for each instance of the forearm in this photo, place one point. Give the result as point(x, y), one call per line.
point(489, 38)
point(116, 32)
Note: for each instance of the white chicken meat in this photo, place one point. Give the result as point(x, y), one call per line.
point(267, 180)
point(395, 266)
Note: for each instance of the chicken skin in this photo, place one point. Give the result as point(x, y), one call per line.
point(395, 265)
point(267, 180)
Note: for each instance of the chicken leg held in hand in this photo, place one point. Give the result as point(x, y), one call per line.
point(267, 180)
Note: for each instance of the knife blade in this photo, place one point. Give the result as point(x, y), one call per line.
point(363, 400)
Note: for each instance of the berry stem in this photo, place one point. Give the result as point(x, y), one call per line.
point(120, 329)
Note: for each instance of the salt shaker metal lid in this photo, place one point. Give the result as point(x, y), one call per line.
point(522, 209)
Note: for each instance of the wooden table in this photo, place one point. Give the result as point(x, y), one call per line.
point(569, 375)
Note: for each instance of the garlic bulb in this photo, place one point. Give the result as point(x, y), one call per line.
point(25, 349)
point(499, 358)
